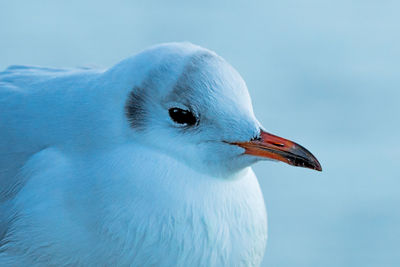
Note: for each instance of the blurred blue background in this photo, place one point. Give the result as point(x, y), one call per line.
point(322, 73)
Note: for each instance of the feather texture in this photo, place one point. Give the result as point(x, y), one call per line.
point(80, 186)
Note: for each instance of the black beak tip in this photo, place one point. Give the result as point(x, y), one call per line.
point(318, 167)
point(314, 164)
point(303, 158)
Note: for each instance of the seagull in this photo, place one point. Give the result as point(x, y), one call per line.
point(146, 163)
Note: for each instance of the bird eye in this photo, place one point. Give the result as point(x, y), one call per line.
point(182, 116)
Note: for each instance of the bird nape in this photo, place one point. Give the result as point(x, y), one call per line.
point(147, 163)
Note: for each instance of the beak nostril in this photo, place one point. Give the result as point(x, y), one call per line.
point(278, 144)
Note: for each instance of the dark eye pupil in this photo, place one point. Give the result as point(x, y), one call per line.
point(182, 116)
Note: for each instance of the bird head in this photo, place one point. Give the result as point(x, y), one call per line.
point(192, 105)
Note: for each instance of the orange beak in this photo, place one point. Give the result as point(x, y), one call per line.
point(274, 147)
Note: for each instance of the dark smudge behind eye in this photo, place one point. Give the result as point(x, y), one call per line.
point(182, 92)
point(135, 108)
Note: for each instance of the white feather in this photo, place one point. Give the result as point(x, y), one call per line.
point(80, 187)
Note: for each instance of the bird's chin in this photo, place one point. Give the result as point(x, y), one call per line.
point(223, 160)
point(244, 161)
point(236, 164)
